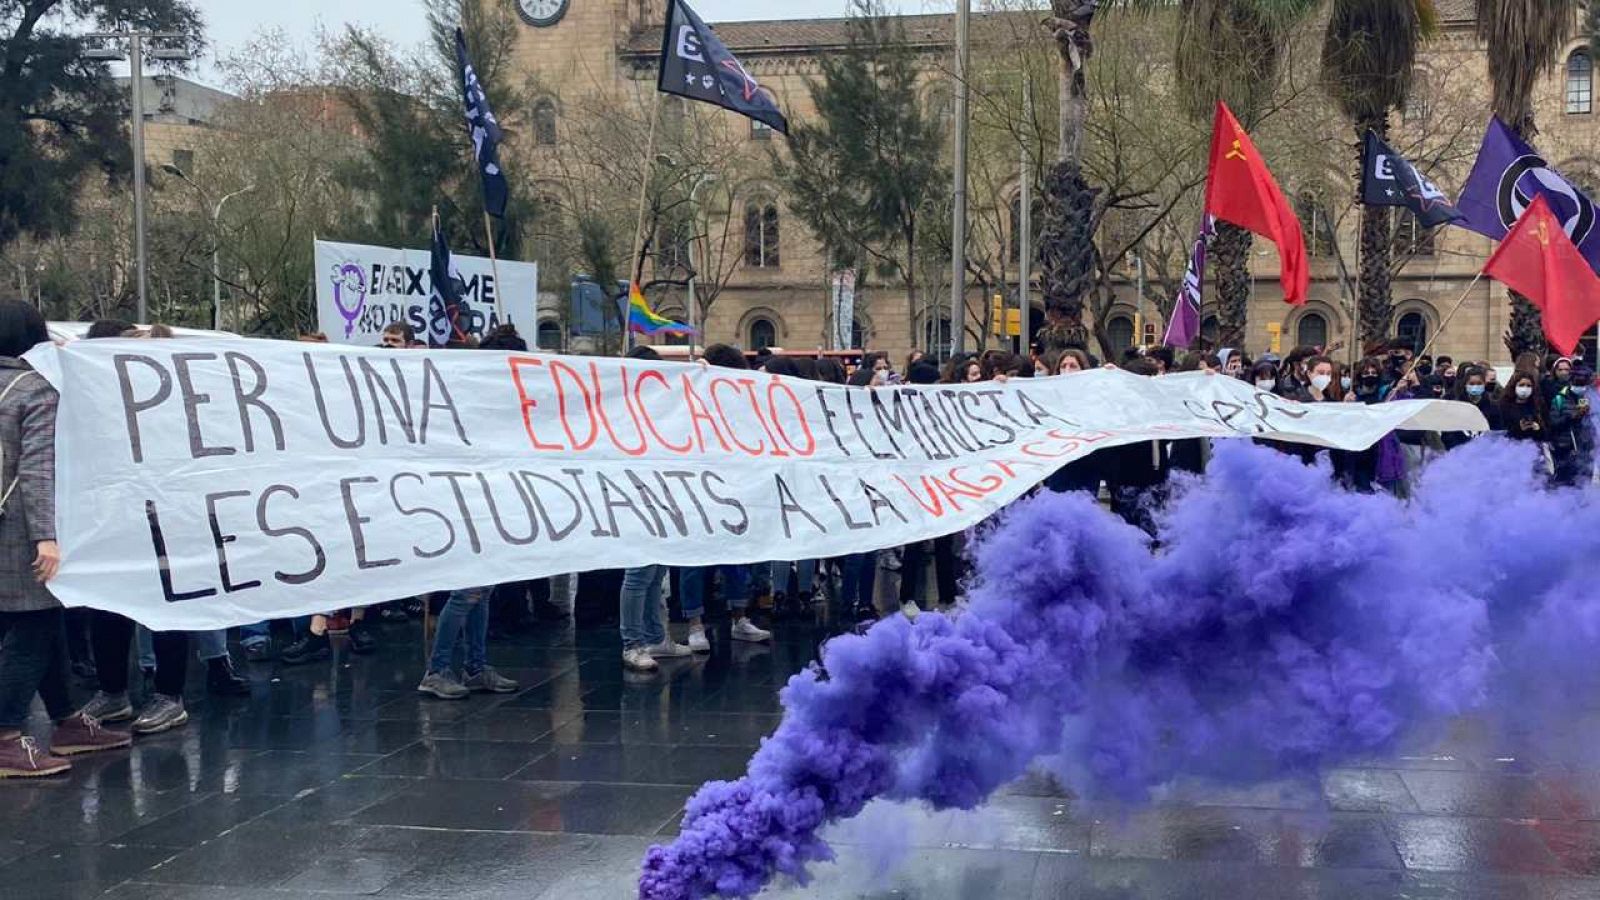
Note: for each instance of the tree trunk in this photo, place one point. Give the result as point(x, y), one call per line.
point(1229, 257)
point(1374, 293)
point(1066, 255)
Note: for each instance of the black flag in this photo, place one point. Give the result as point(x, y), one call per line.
point(695, 64)
point(444, 293)
point(485, 130)
point(1389, 179)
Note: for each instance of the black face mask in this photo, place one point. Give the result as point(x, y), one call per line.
point(1424, 370)
point(1369, 380)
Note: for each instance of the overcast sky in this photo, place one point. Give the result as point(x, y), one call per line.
point(231, 23)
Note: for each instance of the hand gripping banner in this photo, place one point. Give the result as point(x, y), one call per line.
point(209, 483)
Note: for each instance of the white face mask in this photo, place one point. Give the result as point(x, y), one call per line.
point(1344, 382)
point(1524, 391)
point(1265, 384)
point(1321, 382)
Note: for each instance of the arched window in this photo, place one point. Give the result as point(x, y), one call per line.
point(1412, 330)
point(761, 234)
point(549, 336)
point(1580, 83)
point(1311, 330)
point(858, 334)
point(544, 122)
point(939, 107)
point(763, 334)
point(1120, 332)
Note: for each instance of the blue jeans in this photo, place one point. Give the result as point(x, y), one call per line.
point(208, 645)
point(805, 574)
point(465, 617)
point(641, 607)
point(259, 633)
point(859, 574)
point(735, 588)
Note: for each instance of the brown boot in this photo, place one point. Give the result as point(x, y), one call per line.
point(83, 733)
point(22, 757)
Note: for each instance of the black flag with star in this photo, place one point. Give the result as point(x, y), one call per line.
point(695, 64)
point(1389, 179)
point(485, 130)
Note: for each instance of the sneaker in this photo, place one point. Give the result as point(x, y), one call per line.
point(442, 685)
point(223, 681)
point(639, 660)
point(393, 612)
point(84, 734)
point(698, 642)
point(911, 610)
point(668, 649)
point(258, 651)
point(746, 630)
point(309, 648)
point(109, 707)
point(21, 757)
point(362, 640)
point(489, 681)
point(162, 713)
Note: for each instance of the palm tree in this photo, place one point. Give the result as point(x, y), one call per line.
point(1524, 39)
point(1368, 54)
point(1232, 50)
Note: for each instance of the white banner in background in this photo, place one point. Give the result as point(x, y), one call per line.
point(361, 289)
point(207, 483)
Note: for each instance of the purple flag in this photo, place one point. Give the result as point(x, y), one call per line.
point(1504, 181)
point(1184, 324)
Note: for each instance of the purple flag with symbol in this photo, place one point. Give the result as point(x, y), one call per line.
point(1503, 183)
point(1184, 323)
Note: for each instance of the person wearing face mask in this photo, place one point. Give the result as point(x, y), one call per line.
point(1571, 433)
point(1472, 387)
point(1522, 409)
point(1264, 376)
point(1382, 464)
point(1556, 379)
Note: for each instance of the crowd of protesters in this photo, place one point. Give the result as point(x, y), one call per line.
point(44, 648)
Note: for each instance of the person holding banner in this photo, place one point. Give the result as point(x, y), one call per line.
point(33, 648)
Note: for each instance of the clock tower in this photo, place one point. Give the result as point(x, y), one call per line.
point(570, 47)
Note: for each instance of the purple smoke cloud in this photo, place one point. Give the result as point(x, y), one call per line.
point(1283, 626)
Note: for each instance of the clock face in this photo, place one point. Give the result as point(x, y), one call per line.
point(542, 13)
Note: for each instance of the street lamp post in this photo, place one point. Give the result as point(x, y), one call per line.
point(216, 239)
point(161, 49)
point(694, 210)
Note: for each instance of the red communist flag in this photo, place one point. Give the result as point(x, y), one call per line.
point(1240, 190)
point(1537, 260)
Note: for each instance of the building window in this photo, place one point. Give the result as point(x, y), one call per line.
point(1311, 330)
point(1580, 83)
point(936, 336)
point(1014, 244)
point(1412, 330)
point(763, 334)
point(760, 131)
point(1319, 227)
point(761, 234)
point(544, 122)
point(1411, 237)
point(858, 334)
point(549, 336)
point(674, 339)
point(939, 107)
point(183, 161)
point(1120, 332)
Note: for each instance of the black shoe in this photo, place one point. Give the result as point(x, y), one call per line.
point(413, 607)
point(223, 681)
point(84, 671)
point(258, 651)
point(545, 611)
point(309, 648)
point(362, 640)
point(392, 612)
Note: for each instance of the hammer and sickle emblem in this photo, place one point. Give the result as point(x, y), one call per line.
point(1236, 152)
point(1544, 233)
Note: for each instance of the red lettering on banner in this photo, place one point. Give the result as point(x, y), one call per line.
point(638, 391)
point(755, 406)
point(758, 449)
point(934, 506)
point(987, 484)
point(556, 369)
point(528, 403)
point(600, 404)
point(697, 412)
point(799, 412)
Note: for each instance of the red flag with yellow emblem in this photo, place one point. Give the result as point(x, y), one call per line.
point(1537, 260)
point(1240, 190)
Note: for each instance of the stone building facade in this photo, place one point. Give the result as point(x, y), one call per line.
point(779, 293)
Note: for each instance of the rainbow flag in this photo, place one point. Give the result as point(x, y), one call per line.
point(643, 320)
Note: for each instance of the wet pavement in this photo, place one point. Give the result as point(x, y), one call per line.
point(337, 779)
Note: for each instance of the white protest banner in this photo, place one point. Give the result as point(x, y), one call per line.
point(206, 483)
point(844, 309)
point(361, 289)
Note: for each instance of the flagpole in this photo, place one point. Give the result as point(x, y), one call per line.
point(636, 249)
point(494, 266)
point(1440, 330)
